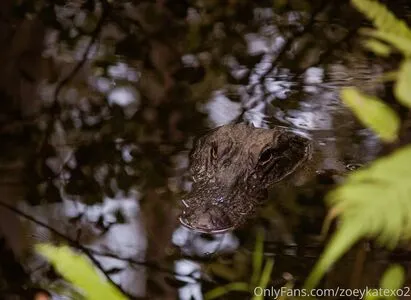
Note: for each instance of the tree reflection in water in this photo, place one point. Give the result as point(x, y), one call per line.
point(101, 102)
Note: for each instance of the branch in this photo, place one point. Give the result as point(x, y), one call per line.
point(289, 42)
point(55, 105)
point(90, 252)
point(71, 242)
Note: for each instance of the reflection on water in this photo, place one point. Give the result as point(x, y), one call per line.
point(314, 108)
point(317, 111)
point(126, 240)
point(221, 110)
point(193, 244)
point(122, 135)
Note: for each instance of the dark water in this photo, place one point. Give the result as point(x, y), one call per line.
point(111, 173)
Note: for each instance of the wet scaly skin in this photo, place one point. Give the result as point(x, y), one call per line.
point(232, 167)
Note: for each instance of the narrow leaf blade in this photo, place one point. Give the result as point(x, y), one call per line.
point(403, 44)
point(378, 47)
point(373, 113)
point(80, 272)
point(402, 88)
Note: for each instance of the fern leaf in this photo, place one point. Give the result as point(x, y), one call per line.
point(265, 278)
point(80, 272)
point(378, 47)
point(373, 113)
point(258, 256)
point(393, 278)
point(346, 236)
point(375, 203)
point(230, 287)
point(401, 43)
point(382, 18)
point(403, 85)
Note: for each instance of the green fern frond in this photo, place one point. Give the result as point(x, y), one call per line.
point(393, 279)
point(378, 47)
point(382, 18)
point(223, 290)
point(374, 202)
point(403, 44)
point(373, 113)
point(260, 278)
point(258, 256)
point(80, 272)
point(402, 87)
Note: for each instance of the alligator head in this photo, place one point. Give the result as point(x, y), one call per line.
point(232, 168)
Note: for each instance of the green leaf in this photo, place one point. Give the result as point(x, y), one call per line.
point(388, 76)
point(374, 202)
point(403, 44)
point(402, 87)
point(265, 278)
point(222, 290)
point(373, 113)
point(377, 47)
point(226, 272)
point(382, 18)
point(80, 272)
point(393, 278)
point(346, 236)
point(258, 256)
point(390, 29)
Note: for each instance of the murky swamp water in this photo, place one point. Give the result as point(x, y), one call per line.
point(292, 217)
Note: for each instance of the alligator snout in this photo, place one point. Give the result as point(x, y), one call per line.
point(208, 220)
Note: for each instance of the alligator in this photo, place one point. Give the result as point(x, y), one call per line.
point(232, 167)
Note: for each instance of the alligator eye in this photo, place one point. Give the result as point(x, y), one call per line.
point(266, 156)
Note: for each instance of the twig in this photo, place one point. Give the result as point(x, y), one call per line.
point(89, 251)
point(71, 241)
point(55, 105)
point(289, 42)
point(145, 264)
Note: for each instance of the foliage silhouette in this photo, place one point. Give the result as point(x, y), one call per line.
point(80, 272)
point(260, 276)
point(373, 112)
point(374, 202)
